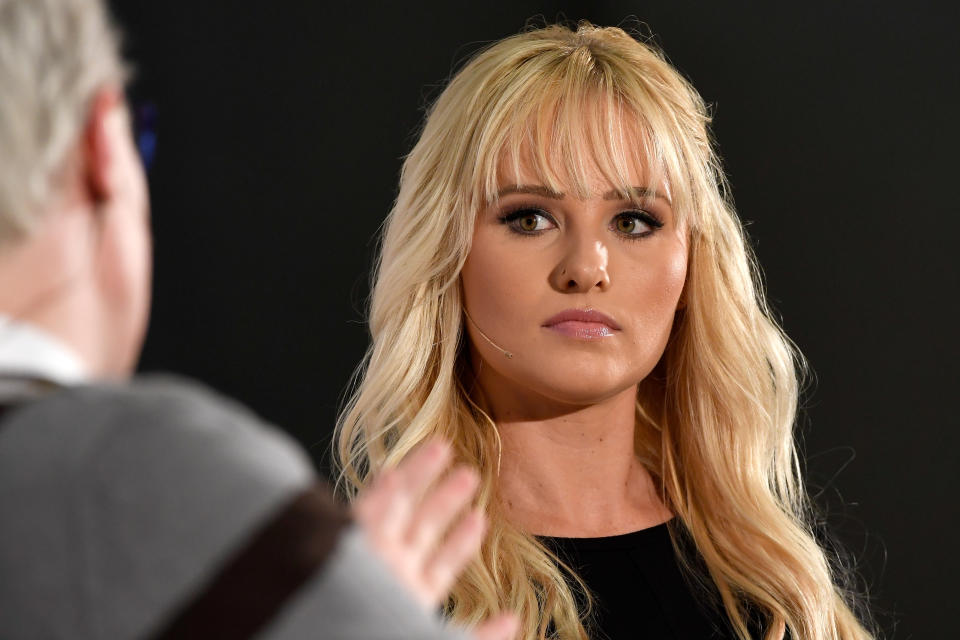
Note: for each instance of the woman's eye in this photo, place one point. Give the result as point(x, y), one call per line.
point(528, 221)
point(636, 223)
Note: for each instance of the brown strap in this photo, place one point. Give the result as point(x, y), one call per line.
point(30, 386)
point(253, 586)
point(5, 409)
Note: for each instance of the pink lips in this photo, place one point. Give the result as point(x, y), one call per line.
point(582, 323)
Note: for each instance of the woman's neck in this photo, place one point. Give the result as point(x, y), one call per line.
point(574, 472)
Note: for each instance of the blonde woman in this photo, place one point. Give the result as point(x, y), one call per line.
point(565, 293)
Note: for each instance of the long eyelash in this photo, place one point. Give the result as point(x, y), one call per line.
point(644, 216)
point(647, 216)
point(513, 213)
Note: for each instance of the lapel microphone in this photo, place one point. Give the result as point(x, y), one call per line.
point(486, 337)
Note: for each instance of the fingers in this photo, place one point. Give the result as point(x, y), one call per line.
point(424, 465)
point(372, 500)
point(415, 521)
point(441, 506)
point(392, 496)
point(457, 550)
point(502, 627)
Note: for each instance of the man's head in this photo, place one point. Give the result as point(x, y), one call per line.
point(74, 238)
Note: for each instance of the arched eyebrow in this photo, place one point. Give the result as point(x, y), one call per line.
point(535, 189)
point(635, 193)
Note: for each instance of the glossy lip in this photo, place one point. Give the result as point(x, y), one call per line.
point(582, 323)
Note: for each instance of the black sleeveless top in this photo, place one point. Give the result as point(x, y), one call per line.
point(638, 589)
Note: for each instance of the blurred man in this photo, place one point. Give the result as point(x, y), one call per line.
point(156, 508)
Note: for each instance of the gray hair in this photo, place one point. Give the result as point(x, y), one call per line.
point(54, 56)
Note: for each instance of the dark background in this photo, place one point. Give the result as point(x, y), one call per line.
point(281, 131)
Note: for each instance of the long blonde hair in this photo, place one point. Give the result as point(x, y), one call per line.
point(715, 418)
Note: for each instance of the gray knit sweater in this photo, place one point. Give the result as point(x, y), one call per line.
point(121, 507)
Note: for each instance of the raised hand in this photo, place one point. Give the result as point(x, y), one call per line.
point(417, 518)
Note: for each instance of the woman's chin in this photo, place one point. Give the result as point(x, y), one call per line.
point(582, 392)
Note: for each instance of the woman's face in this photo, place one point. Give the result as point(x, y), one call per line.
point(582, 293)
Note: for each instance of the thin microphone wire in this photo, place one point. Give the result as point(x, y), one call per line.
point(485, 337)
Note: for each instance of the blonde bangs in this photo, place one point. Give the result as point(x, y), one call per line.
point(568, 118)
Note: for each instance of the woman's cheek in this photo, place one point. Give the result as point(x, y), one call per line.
point(498, 282)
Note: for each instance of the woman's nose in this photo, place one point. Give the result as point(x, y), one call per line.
point(583, 267)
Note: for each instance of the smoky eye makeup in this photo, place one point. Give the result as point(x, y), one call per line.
point(533, 220)
point(528, 220)
point(636, 223)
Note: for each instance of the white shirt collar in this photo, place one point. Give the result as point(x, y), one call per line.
point(26, 350)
